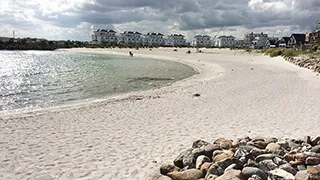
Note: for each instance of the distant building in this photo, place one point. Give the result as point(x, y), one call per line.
point(130, 38)
point(201, 41)
point(176, 40)
point(153, 39)
point(239, 43)
point(254, 40)
point(297, 41)
point(104, 36)
point(284, 42)
point(225, 41)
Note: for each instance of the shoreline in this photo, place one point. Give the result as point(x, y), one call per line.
point(240, 94)
point(124, 96)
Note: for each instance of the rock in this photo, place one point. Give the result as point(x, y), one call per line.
point(215, 170)
point(293, 145)
point(296, 162)
point(288, 168)
point(315, 149)
point(279, 161)
point(283, 144)
point(269, 164)
point(199, 144)
point(259, 144)
point(227, 162)
point(196, 95)
point(218, 141)
point(201, 160)
point(232, 166)
point(216, 152)
point(249, 171)
point(211, 177)
point(271, 140)
point(167, 168)
point(273, 147)
point(210, 148)
point(205, 167)
point(315, 141)
point(179, 160)
point(314, 170)
point(313, 161)
point(190, 158)
point(231, 175)
point(190, 174)
point(255, 177)
point(226, 144)
point(280, 174)
point(240, 152)
point(307, 139)
point(264, 157)
point(302, 175)
point(301, 167)
point(255, 152)
point(223, 156)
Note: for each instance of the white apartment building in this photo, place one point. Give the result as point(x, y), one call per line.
point(154, 39)
point(225, 41)
point(176, 40)
point(202, 41)
point(104, 36)
point(130, 37)
point(254, 40)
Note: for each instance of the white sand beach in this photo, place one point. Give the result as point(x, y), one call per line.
point(126, 138)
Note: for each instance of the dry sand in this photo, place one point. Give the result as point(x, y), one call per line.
point(123, 138)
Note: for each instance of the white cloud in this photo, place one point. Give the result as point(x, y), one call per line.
point(274, 5)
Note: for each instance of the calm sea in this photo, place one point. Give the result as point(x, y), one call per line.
point(31, 79)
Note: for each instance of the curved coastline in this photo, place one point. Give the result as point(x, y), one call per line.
point(129, 137)
point(76, 104)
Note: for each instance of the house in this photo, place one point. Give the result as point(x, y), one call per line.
point(104, 36)
point(283, 42)
point(225, 41)
point(239, 43)
point(130, 38)
point(256, 40)
point(201, 41)
point(153, 39)
point(297, 41)
point(176, 40)
point(272, 43)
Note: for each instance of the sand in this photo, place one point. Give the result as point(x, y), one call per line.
point(121, 137)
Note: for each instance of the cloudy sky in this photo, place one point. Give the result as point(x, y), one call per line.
point(76, 19)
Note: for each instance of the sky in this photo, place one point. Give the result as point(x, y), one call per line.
point(76, 19)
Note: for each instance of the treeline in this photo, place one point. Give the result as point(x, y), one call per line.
point(37, 44)
point(27, 44)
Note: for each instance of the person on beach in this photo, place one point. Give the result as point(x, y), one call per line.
point(130, 53)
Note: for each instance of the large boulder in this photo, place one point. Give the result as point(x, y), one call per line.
point(179, 160)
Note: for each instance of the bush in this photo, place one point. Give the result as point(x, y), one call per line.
point(275, 53)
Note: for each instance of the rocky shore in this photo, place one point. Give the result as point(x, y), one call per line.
point(247, 159)
point(309, 62)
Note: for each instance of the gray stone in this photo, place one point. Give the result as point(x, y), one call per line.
point(315, 149)
point(232, 166)
point(199, 144)
point(231, 175)
point(179, 160)
point(283, 144)
point(240, 152)
point(273, 147)
point(301, 167)
point(215, 170)
point(201, 160)
point(302, 175)
point(271, 140)
point(288, 168)
point(313, 161)
point(249, 171)
point(167, 168)
point(190, 174)
point(280, 174)
point(227, 162)
point(269, 164)
point(210, 148)
point(279, 161)
point(315, 141)
point(264, 157)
